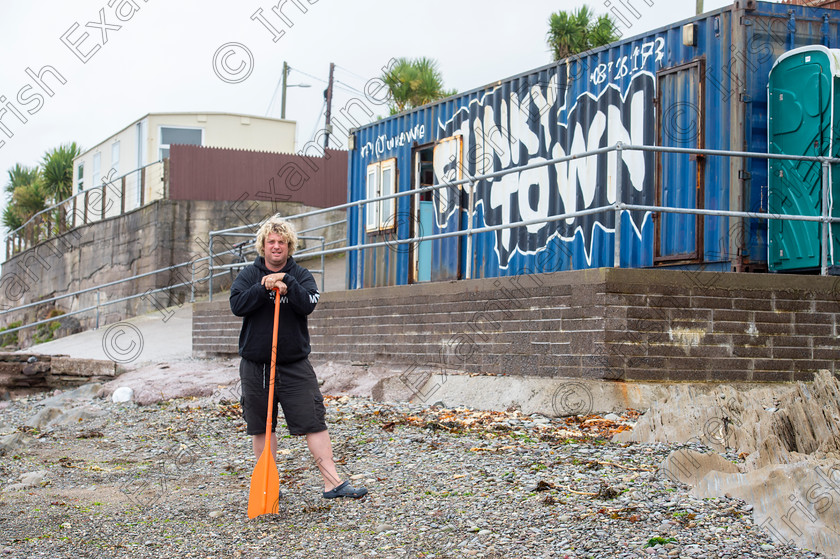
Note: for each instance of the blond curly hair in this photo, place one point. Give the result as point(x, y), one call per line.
point(276, 224)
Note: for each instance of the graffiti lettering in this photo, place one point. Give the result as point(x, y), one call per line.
point(528, 125)
point(617, 69)
point(384, 143)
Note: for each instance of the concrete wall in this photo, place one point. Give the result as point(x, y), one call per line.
point(600, 324)
point(155, 236)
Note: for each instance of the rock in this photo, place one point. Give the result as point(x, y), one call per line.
point(14, 442)
point(689, 466)
point(34, 479)
point(805, 420)
point(69, 325)
point(122, 394)
point(612, 417)
point(216, 514)
point(789, 500)
point(88, 391)
point(77, 415)
point(44, 417)
point(383, 528)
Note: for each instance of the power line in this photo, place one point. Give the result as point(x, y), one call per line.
point(308, 75)
point(350, 87)
point(353, 73)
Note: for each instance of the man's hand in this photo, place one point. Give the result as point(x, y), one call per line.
point(275, 280)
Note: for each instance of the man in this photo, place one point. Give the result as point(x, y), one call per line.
point(296, 388)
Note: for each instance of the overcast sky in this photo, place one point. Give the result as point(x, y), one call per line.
point(161, 58)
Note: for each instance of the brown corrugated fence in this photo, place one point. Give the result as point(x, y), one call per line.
point(203, 173)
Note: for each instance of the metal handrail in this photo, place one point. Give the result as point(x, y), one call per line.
point(191, 263)
point(99, 304)
point(80, 193)
point(618, 206)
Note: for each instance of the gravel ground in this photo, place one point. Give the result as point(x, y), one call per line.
point(171, 480)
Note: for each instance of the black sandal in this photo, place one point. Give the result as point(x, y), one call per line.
point(345, 490)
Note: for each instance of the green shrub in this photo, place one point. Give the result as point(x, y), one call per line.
point(10, 339)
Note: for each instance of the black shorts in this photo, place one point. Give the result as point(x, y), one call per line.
point(295, 388)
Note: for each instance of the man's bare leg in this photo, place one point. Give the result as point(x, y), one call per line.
point(321, 448)
point(258, 442)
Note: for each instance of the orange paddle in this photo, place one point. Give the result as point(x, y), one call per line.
point(265, 481)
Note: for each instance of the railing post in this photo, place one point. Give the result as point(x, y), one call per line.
point(86, 207)
point(361, 240)
point(122, 196)
point(210, 279)
point(102, 202)
point(323, 264)
point(142, 187)
point(192, 281)
point(470, 210)
point(76, 197)
point(826, 185)
point(619, 176)
point(97, 310)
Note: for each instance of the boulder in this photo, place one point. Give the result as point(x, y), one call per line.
point(122, 394)
point(77, 415)
point(794, 503)
point(773, 424)
point(14, 442)
point(44, 417)
point(689, 466)
point(85, 392)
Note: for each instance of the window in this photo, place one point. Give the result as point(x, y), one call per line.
point(372, 220)
point(80, 176)
point(97, 166)
point(381, 181)
point(115, 157)
point(173, 135)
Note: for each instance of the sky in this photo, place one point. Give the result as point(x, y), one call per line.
point(143, 56)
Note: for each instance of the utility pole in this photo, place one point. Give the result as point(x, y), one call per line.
point(283, 97)
point(699, 7)
point(328, 94)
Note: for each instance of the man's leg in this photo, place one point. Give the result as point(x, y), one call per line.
point(321, 448)
point(258, 442)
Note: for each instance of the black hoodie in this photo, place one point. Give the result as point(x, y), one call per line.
point(252, 301)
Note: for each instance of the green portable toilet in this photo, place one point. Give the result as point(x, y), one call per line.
point(802, 111)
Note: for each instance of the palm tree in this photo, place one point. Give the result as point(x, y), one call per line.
point(20, 175)
point(58, 178)
point(578, 31)
point(58, 171)
point(414, 82)
point(27, 196)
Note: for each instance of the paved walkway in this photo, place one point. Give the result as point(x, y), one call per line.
point(142, 339)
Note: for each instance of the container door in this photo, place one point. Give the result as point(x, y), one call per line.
point(679, 177)
point(800, 120)
point(423, 215)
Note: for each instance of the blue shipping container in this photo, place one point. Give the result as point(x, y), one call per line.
point(699, 83)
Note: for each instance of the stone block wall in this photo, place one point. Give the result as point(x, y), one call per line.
point(156, 236)
point(619, 324)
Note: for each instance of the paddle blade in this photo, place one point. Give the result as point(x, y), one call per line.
point(265, 486)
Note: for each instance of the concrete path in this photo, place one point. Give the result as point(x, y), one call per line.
point(135, 341)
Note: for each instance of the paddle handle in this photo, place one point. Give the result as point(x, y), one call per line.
point(273, 365)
